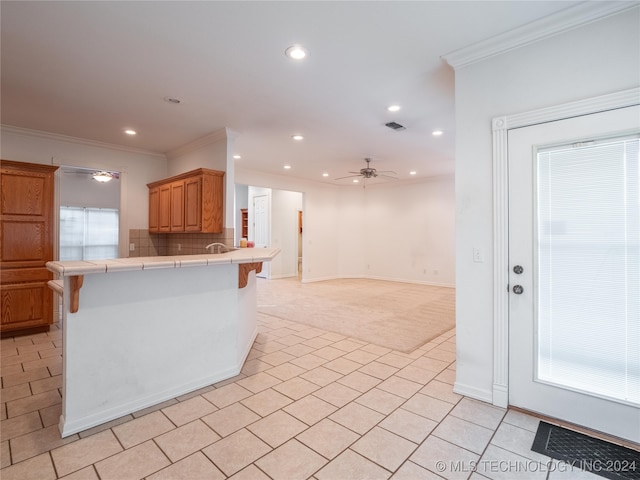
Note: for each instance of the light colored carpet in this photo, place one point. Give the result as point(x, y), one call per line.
point(400, 316)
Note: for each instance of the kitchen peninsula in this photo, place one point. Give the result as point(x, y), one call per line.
point(139, 331)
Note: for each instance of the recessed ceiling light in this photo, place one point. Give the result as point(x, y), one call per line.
point(355, 180)
point(237, 157)
point(325, 174)
point(297, 137)
point(437, 133)
point(287, 167)
point(128, 131)
point(412, 172)
point(393, 108)
point(296, 52)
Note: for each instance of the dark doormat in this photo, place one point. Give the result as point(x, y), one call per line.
point(591, 454)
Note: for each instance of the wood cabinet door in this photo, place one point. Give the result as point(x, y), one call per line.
point(26, 244)
point(212, 203)
point(177, 206)
point(193, 204)
point(154, 210)
point(164, 208)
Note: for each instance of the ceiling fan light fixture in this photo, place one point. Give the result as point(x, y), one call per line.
point(102, 176)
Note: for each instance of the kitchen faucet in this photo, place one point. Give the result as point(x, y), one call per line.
point(219, 245)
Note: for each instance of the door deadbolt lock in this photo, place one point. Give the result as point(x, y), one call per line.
point(517, 289)
point(518, 269)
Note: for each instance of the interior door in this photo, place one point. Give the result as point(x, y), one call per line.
point(574, 239)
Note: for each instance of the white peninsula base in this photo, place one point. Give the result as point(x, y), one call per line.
point(142, 336)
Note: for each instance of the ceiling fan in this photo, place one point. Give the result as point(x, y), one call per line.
point(101, 176)
point(369, 172)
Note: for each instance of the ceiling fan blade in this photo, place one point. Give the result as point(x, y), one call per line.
point(348, 176)
point(386, 171)
point(388, 176)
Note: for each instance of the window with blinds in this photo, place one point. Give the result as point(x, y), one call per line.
point(88, 233)
point(588, 268)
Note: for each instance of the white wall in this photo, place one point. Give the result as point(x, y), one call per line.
point(284, 232)
point(596, 59)
point(410, 231)
point(399, 231)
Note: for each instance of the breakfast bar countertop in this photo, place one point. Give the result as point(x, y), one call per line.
point(85, 267)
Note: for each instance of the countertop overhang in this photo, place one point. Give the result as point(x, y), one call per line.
point(247, 259)
point(87, 267)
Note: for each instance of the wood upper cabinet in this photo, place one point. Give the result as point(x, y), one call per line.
point(177, 206)
point(193, 204)
point(189, 202)
point(154, 205)
point(26, 244)
point(164, 208)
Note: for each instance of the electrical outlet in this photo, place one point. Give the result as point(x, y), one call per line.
point(179, 247)
point(478, 257)
point(132, 247)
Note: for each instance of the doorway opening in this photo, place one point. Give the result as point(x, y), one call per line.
point(273, 219)
point(89, 214)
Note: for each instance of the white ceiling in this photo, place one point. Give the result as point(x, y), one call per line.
point(92, 69)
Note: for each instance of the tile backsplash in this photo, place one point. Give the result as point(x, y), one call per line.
point(154, 244)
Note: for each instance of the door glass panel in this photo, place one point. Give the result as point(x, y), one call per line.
point(588, 268)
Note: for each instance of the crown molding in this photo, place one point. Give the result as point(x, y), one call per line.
point(562, 21)
point(213, 137)
point(27, 132)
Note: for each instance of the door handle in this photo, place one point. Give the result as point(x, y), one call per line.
point(517, 289)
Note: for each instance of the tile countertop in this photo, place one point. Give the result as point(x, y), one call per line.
point(84, 267)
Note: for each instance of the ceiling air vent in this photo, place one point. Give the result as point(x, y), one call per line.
point(395, 126)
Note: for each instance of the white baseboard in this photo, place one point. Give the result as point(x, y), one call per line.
point(373, 277)
point(473, 392)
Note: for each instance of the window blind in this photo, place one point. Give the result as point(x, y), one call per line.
point(588, 268)
point(88, 233)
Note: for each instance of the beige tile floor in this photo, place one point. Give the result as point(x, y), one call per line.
point(309, 403)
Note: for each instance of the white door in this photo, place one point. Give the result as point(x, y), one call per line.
point(574, 260)
point(261, 222)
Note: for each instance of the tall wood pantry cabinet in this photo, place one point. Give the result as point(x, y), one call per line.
point(26, 244)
